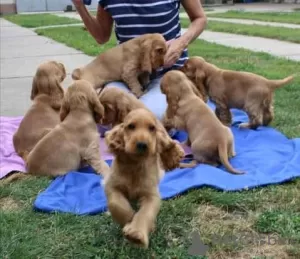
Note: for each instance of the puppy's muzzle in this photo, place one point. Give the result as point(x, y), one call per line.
point(141, 147)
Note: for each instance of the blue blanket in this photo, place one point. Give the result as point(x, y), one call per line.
point(267, 157)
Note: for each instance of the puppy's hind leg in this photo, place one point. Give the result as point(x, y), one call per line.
point(223, 113)
point(92, 157)
point(130, 78)
point(255, 119)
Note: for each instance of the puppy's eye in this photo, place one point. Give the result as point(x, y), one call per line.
point(151, 128)
point(131, 126)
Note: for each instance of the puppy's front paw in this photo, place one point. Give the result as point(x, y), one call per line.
point(135, 235)
point(244, 125)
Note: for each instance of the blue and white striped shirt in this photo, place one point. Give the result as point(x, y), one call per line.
point(137, 17)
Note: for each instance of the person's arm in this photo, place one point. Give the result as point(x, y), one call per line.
point(100, 27)
point(197, 17)
point(198, 22)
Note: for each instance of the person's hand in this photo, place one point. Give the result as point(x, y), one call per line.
point(175, 49)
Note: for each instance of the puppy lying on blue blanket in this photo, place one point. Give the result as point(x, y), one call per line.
point(210, 140)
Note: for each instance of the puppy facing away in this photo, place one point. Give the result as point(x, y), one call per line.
point(47, 95)
point(211, 141)
point(137, 144)
point(233, 89)
point(75, 140)
point(131, 62)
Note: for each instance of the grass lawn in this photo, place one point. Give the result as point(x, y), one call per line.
point(270, 214)
point(279, 33)
point(281, 17)
point(38, 20)
point(181, 10)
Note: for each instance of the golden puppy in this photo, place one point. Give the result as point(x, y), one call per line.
point(75, 140)
point(117, 104)
point(137, 144)
point(47, 95)
point(232, 89)
point(210, 140)
point(132, 61)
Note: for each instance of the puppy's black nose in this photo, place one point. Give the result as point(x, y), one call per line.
point(141, 146)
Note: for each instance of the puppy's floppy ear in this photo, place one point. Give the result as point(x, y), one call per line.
point(115, 139)
point(123, 108)
point(34, 88)
point(171, 153)
point(49, 85)
point(76, 74)
point(145, 57)
point(97, 107)
point(65, 107)
point(63, 70)
point(199, 90)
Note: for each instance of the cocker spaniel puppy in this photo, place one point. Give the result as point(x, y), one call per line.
point(132, 62)
point(138, 144)
point(47, 95)
point(117, 104)
point(233, 89)
point(73, 142)
point(211, 141)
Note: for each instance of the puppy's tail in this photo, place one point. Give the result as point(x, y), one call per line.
point(76, 74)
point(223, 154)
point(274, 84)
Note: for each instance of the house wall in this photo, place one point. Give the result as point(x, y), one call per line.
point(47, 5)
point(7, 6)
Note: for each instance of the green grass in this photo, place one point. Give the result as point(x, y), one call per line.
point(258, 213)
point(39, 20)
point(281, 17)
point(181, 10)
point(279, 33)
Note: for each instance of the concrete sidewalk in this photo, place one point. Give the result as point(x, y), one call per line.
point(274, 47)
point(22, 51)
point(249, 22)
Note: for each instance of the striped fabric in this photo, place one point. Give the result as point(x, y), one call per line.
point(136, 17)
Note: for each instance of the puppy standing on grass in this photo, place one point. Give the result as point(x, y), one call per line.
point(132, 61)
point(138, 145)
point(75, 140)
point(210, 140)
point(232, 89)
point(47, 95)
